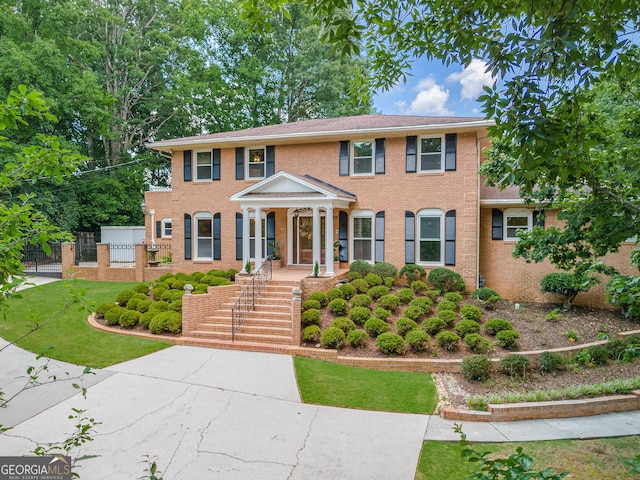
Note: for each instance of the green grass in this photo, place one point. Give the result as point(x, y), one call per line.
point(70, 336)
point(596, 459)
point(344, 386)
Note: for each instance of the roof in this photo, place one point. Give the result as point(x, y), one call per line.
point(324, 129)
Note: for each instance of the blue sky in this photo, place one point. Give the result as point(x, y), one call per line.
point(433, 89)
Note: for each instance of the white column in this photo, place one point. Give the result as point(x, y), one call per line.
point(258, 232)
point(246, 252)
point(328, 228)
point(317, 242)
point(152, 212)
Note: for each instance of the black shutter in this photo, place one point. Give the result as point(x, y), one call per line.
point(409, 237)
point(187, 165)
point(239, 237)
point(217, 237)
point(380, 147)
point(343, 235)
point(450, 151)
point(496, 224)
point(538, 218)
point(187, 236)
point(380, 237)
point(450, 238)
point(412, 153)
point(215, 172)
point(270, 160)
point(158, 229)
point(344, 158)
point(271, 231)
point(239, 163)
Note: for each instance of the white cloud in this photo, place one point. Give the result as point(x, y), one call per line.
point(472, 79)
point(430, 100)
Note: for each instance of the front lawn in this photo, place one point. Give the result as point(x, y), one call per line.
point(344, 386)
point(70, 336)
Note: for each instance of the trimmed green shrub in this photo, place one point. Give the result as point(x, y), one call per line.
point(311, 333)
point(389, 282)
point(311, 304)
point(104, 307)
point(495, 325)
point(231, 274)
point(412, 272)
point(129, 318)
point(419, 287)
point(465, 327)
point(112, 316)
point(405, 325)
point(218, 281)
point(360, 314)
point(175, 306)
point(123, 297)
point(157, 307)
point(373, 280)
point(448, 340)
point(454, 297)
point(591, 356)
point(515, 364)
point(374, 326)
point(432, 294)
point(361, 300)
point(446, 305)
point(334, 293)
point(423, 303)
point(470, 312)
point(566, 284)
point(319, 297)
point(390, 343)
point(382, 313)
point(179, 284)
point(405, 295)
point(145, 318)
point(360, 266)
point(348, 291)
point(477, 343)
point(550, 362)
point(389, 302)
point(485, 295)
point(311, 317)
point(377, 291)
point(199, 289)
point(447, 315)
point(418, 340)
point(141, 288)
point(357, 338)
point(433, 325)
point(414, 313)
point(143, 305)
point(446, 280)
point(170, 294)
point(166, 322)
point(338, 306)
point(351, 276)
point(508, 339)
point(343, 323)
point(360, 285)
point(333, 337)
point(385, 270)
point(476, 367)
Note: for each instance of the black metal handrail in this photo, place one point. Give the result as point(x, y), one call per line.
point(249, 295)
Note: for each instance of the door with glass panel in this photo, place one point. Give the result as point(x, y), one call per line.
point(303, 239)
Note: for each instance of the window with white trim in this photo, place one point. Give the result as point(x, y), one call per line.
point(166, 228)
point(362, 246)
point(256, 163)
point(362, 157)
point(431, 154)
point(203, 165)
point(203, 226)
point(430, 233)
point(516, 220)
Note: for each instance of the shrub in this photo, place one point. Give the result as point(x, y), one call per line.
point(447, 315)
point(465, 327)
point(568, 285)
point(515, 364)
point(373, 280)
point(448, 340)
point(141, 288)
point(112, 316)
point(175, 306)
point(168, 295)
point(311, 333)
point(412, 272)
point(405, 295)
point(485, 295)
point(508, 339)
point(405, 325)
point(550, 362)
point(351, 276)
point(414, 313)
point(338, 306)
point(348, 291)
point(470, 312)
point(145, 318)
point(311, 317)
point(123, 297)
point(360, 285)
point(446, 280)
point(418, 340)
point(166, 322)
point(390, 343)
point(343, 323)
point(334, 293)
point(553, 316)
point(477, 343)
point(104, 308)
point(389, 281)
point(385, 270)
point(361, 267)
point(374, 326)
point(319, 297)
point(333, 337)
point(377, 291)
point(217, 281)
point(419, 287)
point(389, 302)
point(476, 367)
point(231, 274)
point(382, 313)
point(129, 318)
point(495, 325)
point(446, 305)
point(432, 294)
point(311, 304)
point(454, 297)
point(143, 305)
point(423, 303)
point(357, 338)
point(593, 355)
point(616, 347)
point(157, 307)
point(361, 300)
point(624, 291)
point(433, 325)
point(360, 314)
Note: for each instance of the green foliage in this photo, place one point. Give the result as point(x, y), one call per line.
point(485, 295)
point(360, 314)
point(572, 335)
point(167, 321)
point(434, 325)
point(389, 302)
point(157, 307)
point(423, 303)
point(343, 323)
point(348, 291)
point(361, 300)
point(419, 287)
point(454, 297)
point(405, 295)
point(390, 343)
point(405, 325)
point(515, 365)
point(448, 340)
point(470, 312)
point(385, 270)
point(311, 333)
point(495, 325)
point(389, 282)
point(319, 297)
point(351, 276)
point(157, 293)
point(381, 313)
point(311, 304)
point(333, 338)
point(448, 316)
point(508, 339)
point(414, 313)
point(411, 272)
point(476, 367)
point(591, 356)
point(446, 280)
point(357, 338)
point(360, 285)
point(112, 316)
point(123, 297)
point(334, 293)
point(378, 291)
point(465, 327)
point(418, 340)
point(143, 305)
point(129, 318)
point(311, 317)
point(550, 362)
point(375, 326)
point(104, 307)
point(553, 316)
point(146, 318)
point(141, 288)
point(361, 267)
point(446, 305)
point(477, 343)
point(373, 280)
point(566, 284)
point(624, 291)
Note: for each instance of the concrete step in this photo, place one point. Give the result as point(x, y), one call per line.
point(246, 337)
point(246, 328)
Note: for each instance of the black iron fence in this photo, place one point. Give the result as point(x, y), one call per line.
point(159, 255)
point(249, 295)
point(86, 254)
point(41, 261)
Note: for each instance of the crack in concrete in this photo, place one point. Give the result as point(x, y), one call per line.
point(260, 462)
point(202, 365)
point(304, 443)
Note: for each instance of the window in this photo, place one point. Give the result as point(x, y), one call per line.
point(362, 156)
point(203, 165)
point(204, 236)
point(362, 236)
point(431, 154)
point(256, 163)
point(430, 237)
point(515, 220)
point(166, 228)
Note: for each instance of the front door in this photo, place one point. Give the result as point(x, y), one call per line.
point(303, 240)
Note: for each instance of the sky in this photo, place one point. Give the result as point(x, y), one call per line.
point(434, 89)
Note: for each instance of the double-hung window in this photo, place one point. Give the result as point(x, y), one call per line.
point(515, 220)
point(431, 155)
point(204, 236)
point(362, 236)
point(256, 163)
point(203, 165)
point(362, 157)
point(430, 237)
point(166, 228)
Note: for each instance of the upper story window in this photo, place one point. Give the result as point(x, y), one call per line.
point(256, 163)
point(515, 220)
point(431, 154)
point(430, 237)
point(203, 165)
point(362, 157)
point(166, 228)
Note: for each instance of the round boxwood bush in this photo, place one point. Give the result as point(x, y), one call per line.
point(515, 365)
point(465, 327)
point(166, 322)
point(360, 315)
point(446, 280)
point(360, 266)
point(361, 300)
point(485, 295)
point(129, 318)
point(477, 343)
point(432, 294)
point(550, 362)
point(357, 338)
point(334, 293)
point(419, 287)
point(377, 291)
point(446, 305)
point(389, 282)
point(348, 291)
point(495, 325)
point(311, 304)
point(333, 337)
point(112, 316)
point(454, 297)
point(412, 272)
point(311, 333)
point(433, 325)
point(374, 326)
point(448, 340)
point(405, 295)
point(414, 313)
point(508, 339)
point(123, 297)
point(141, 288)
point(319, 297)
point(338, 306)
point(176, 305)
point(418, 340)
point(373, 280)
point(157, 307)
point(343, 323)
point(389, 302)
point(384, 270)
point(143, 305)
point(390, 343)
point(104, 308)
point(476, 367)
point(405, 325)
point(145, 318)
point(351, 276)
point(448, 316)
point(360, 285)
point(200, 288)
point(470, 312)
point(311, 317)
point(382, 313)
point(423, 303)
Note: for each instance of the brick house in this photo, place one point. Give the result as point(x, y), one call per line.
point(401, 189)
